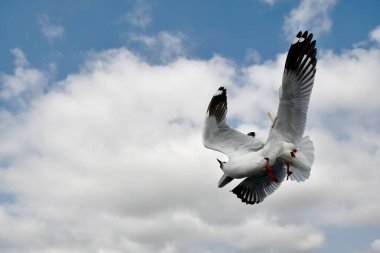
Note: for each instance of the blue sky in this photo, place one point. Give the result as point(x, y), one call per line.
point(228, 28)
point(96, 97)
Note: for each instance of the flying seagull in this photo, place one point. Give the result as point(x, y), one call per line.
point(286, 153)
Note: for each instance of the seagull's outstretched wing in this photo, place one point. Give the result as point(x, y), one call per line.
point(217, 135)
point(256, 188)
point(297, 83)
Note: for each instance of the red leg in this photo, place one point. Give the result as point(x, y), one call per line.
point(288, 172)
point(270, 172)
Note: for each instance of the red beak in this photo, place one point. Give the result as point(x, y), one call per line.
point(220, 162)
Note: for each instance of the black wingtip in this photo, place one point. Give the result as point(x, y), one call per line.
point(256, 188)
point(302, 45)
point(303, 37)
point(246, 196)
point(218, 104)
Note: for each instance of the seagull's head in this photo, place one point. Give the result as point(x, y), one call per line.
point(221, 164)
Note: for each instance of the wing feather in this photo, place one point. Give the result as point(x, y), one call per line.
point(217, 135)
point(297, 84)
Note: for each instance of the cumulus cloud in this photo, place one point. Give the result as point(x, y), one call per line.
point(310, 15)
point(341, 91)
point(110, 159)
point(50, 30)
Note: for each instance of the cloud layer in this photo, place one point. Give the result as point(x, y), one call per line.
point(110, 159)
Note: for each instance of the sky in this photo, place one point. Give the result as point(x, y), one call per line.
point(101, 113)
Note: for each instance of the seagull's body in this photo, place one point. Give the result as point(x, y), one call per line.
point(286, 151)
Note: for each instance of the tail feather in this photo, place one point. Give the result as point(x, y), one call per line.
point(299, 175)
point(307, 148)
point(305, 158)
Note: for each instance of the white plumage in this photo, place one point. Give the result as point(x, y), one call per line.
point(287, 151)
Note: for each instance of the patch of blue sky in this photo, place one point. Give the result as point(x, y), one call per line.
point(88, 26)
point(224, 27)
point(349, 239)
point(352, 21)
point(228, 28)
point(7, 198)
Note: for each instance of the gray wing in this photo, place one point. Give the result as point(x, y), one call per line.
point(217, 135)
point(297, 84)
point(256, 188)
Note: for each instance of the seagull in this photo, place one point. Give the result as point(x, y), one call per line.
point(287, 152)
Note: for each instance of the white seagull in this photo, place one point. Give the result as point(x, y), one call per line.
point(286, 152)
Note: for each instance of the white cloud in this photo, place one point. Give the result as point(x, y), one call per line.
point(140, 15)
point(342, 91)
point(312, 15)
point(18, 88)
point(118, 148)
point(375, 34)
point(111, 160)
point(49, 30)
